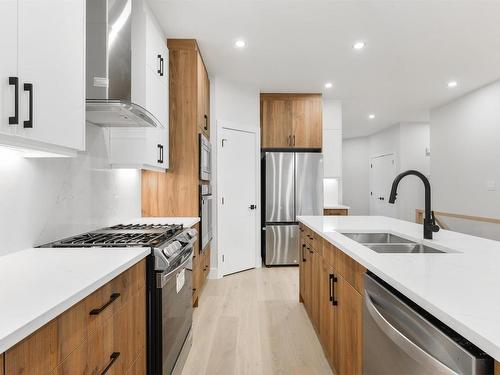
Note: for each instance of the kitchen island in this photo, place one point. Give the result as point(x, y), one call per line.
point(458, 287)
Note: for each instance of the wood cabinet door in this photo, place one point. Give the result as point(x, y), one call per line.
point(316, 261)
point(350, 330)
point(307, 122)
point(329, 315)
point(307, 279)
point(276, 123)
point(203, 95)
point(302, 265)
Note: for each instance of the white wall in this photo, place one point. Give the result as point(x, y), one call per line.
point(231, 104)
point(42, 200)
point(355, 175)
point(465, 152)
point(332, 152)
point(408, 142)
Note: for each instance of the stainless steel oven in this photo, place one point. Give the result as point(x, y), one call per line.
point(206, 207)
point(205, 159)
point(173, 313)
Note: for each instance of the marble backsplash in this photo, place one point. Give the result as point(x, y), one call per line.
point(45, 199)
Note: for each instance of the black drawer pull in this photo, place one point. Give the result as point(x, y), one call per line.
point(112, 359)
point(159, 70)
point(160, 159)
point(14, 81)
point(206, 122)
point(303, 255)
point(332, 280)
point(112, 298)
point(29, 87)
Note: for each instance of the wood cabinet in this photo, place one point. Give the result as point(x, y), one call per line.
point(331, 287)
point(176, 193)
point(201, 269)
point(291, 121)
point(106, 328)
point(1, 364)
point(335, 212)
point(42, 96)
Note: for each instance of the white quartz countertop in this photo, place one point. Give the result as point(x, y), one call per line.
point(459, 288)
point(336, 207)
point(186, 221)
point(36, 285)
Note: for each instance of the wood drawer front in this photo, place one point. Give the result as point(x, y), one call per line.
point(124, 333)
point(45, 349)
point(126, 285)
point(352, 271)
point(330, 254)
point(335, 212)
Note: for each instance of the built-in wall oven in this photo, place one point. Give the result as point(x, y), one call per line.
point(205, 159)
point(206, 207)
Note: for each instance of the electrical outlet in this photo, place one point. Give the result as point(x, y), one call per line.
point(491, 185)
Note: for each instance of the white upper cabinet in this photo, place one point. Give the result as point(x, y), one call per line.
point(145, 148)
point(8, 66)
point(43, 47)
point(149, 63)
point(139, 148)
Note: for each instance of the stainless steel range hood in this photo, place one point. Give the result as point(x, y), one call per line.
point(109, 67)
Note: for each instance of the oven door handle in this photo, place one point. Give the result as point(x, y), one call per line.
point(163, 278)
point(404, 343)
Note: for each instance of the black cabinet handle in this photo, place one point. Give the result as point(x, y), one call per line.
point(29, 87)
point(303, 254)
point(160, 68)
point(14, 81)
point(293, 140)
point(160, 159)
point(112, 359)
point(253, 206)
point(206, 122)
point(332, 280)
point(112, 298)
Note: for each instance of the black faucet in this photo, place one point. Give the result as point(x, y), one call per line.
point(429, 218)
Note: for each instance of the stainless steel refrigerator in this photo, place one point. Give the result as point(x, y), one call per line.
point(292, 186)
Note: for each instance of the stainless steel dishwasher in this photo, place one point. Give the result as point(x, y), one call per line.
point(402, 338)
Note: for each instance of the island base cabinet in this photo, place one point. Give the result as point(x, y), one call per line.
point(350, 329)
point(330, 287)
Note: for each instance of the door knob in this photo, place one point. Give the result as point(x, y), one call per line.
point(253, 206)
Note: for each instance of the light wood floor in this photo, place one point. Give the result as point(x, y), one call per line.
point(252, 323)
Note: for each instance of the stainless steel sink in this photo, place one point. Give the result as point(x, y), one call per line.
point(376, 238)
point(406, 248)
point(387, 243)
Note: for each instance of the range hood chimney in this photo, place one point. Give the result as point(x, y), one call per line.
point(109, 67)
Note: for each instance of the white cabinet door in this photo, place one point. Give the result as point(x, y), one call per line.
point(8, 64)
point(332, 153)
point(158, 98)
point(51, 52)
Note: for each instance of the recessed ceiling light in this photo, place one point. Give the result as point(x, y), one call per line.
point(359, 45)
point(240, 43)
point(328, 85)
point(371, 116)
point(452, 84)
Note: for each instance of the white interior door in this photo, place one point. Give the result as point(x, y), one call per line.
point(238, 192)
point(382, 174)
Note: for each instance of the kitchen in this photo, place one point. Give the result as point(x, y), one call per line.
point(153, 219)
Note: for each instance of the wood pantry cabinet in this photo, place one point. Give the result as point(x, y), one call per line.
point(176, 193)
point(105, 330)
point(291, 121)
point(331, 287)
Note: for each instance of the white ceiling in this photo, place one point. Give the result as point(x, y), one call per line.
point(413, 48)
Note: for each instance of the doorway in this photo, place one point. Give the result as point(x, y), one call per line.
point(238, 211)
point(382, 174)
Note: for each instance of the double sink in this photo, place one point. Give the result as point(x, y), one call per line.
point(388, 243)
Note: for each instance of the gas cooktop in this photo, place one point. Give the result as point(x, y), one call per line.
point(122, 235)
